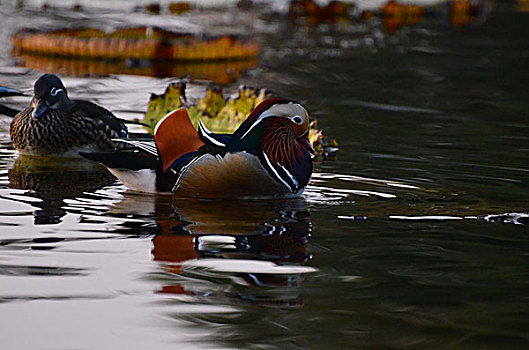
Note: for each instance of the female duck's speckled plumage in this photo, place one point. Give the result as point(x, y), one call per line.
point(64, 131)
point(56, 125)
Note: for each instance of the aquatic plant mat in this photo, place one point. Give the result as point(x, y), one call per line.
point(221, 114)
point(132, 43)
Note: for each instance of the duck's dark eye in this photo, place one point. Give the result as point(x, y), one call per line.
point(54, 91)
point(297, 120)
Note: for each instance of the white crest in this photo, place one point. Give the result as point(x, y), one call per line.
point(288, 110)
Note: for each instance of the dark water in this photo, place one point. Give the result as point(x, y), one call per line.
point(415, 236)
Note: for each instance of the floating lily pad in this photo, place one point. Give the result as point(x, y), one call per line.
point(136, 43)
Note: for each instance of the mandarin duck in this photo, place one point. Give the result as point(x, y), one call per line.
point(54, 125)
point(269, 155)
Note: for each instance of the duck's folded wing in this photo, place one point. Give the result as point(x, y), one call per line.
point(100, 116)
point(125, 158)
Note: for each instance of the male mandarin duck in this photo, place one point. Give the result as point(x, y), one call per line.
point(56, 125)
point(267, 156)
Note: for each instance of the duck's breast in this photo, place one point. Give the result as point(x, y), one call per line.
point(234, 175)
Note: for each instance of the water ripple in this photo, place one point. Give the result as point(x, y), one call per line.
point(506, 218)
point(244, 266)
point(393, 108)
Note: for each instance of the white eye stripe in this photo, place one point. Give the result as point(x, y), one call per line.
point(54, 91)
point(297, 120)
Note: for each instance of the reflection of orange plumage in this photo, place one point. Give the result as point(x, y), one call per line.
point(173, 289)
point(174, 248)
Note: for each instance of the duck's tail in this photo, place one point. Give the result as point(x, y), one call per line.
point(124, 158)
point(4, 92)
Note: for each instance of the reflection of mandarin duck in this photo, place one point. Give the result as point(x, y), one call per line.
point(267, 156)
point(198, 232)
point(56, 125)
point(263, 243)
point(187, 229)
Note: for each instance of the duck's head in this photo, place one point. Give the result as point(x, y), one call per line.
point(274, 121)
point(277, 131)
point(287, 117)
point(49, 93)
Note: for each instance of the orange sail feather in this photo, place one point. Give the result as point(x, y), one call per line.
point(175, 136)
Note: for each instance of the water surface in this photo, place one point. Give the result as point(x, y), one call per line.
point(414, 236)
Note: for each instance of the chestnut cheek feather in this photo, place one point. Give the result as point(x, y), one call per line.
point(279, 143)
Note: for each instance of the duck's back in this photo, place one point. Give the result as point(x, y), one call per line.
point(81, 126)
